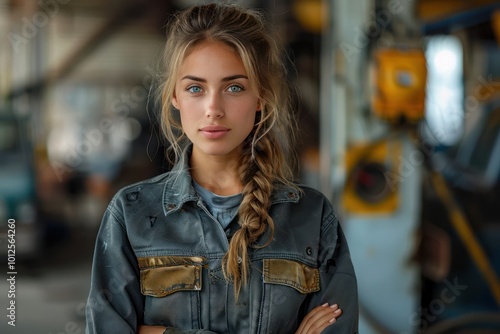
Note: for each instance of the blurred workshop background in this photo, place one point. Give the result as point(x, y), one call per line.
point(400, 118)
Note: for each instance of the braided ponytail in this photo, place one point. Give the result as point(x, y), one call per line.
point(256, 172)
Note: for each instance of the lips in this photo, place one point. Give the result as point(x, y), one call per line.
point(214, 131)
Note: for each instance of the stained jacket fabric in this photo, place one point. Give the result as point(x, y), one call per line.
point(158, 256)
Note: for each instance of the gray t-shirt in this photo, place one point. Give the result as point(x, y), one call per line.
point(223, 208)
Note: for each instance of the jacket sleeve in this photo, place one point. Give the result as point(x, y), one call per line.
point(337, 278)
point(115, 302)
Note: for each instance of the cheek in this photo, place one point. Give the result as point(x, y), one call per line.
point(186, 120)
point(250, 121)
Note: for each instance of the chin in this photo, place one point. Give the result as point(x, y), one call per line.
point(217, 150)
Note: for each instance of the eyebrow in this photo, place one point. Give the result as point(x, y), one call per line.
point(229, 78)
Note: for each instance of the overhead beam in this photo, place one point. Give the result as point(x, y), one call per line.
point(133, 10)
point(432, 10)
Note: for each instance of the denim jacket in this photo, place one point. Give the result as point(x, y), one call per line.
point(158, 256)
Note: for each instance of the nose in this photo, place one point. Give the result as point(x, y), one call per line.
point(215, 107)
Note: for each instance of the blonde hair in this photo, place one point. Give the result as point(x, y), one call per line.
point(265, 159)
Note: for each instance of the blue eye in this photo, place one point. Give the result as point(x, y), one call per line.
point(194, 89)
point(235, 89)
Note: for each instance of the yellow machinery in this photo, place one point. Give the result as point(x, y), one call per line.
point(371, 186)
point(399, 81)
point(400, 78)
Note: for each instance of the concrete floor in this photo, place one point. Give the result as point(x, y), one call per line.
point(51, 292)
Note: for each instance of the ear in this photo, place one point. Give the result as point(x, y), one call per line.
point(175, 102)
point(260, 105)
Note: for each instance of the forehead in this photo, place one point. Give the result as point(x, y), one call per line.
point(210, 44)
point(210, 55)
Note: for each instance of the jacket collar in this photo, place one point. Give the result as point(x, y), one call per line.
point(179, 189)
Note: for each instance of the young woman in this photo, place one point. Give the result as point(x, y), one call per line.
point(225, 242)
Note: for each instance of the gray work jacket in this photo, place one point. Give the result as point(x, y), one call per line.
point(158, 255)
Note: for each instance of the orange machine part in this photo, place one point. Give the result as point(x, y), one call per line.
point(400, 79)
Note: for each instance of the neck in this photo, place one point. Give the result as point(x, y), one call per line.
point(218, 175)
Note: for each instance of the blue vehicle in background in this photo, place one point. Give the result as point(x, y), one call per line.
point(17, 186)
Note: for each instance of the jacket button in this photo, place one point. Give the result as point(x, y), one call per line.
point(171, 206)
point(309, 251)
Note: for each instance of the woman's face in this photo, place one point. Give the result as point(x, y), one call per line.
point(216, 102)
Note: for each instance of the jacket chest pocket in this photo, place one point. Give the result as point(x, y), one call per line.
point(172, 283)
point(286, 286)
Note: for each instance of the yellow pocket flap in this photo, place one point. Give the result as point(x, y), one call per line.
point(297, 275)
point(162, 276)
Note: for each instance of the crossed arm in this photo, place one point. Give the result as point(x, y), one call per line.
point(314, 322)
